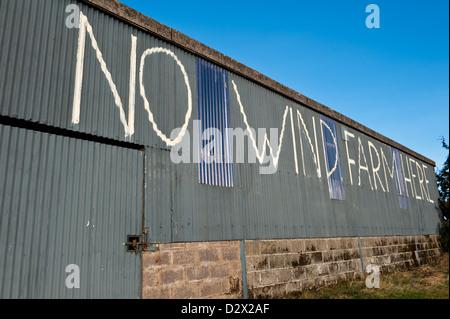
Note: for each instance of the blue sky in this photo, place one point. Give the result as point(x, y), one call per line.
point(394, 80)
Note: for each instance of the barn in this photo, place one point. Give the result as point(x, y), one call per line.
point(137, 162)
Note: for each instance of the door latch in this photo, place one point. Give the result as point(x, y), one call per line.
point(139, 243)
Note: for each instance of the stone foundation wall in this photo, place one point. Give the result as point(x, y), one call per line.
point(192, 270)
point(399, 252)
point(275, 267)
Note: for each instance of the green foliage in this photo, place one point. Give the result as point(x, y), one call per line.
point(443, 235)
point(442, 178)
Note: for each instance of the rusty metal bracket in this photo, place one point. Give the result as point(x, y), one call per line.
point(139, 243)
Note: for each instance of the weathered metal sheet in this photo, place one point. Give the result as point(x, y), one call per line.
point(78, 79)
point(215, 165)
point(40, 63)
point(67, 201)
point(295, 200)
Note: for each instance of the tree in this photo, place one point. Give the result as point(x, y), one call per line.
point(442, 178)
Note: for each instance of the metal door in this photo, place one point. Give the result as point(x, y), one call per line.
point(66, 208)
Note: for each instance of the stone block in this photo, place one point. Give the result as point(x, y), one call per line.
point(235, 267)
point(301, 259)
point(184, 291)
point(367, 242)
point(183, 257)
point(268, 247)
point(231, 286)
point(253, 279)
point(316, 244)
point(316, 257)
point(169, 276)
point(283, 246)
point(150, 278)
point(322, 269)
point(196, 273)
point(298, 273)
point(208, 255)
point(156, 293)
point(345, 254)
point(171, 246)
point(251, 248)
point(312, 244)
point(284, 275)
point(261, 262)
point(276, 261)
point(367, 252)
point(211, 288)
point(267, 278)
point(311, 271)
point(230, 253)
point(219, 271)
point(308, 283)
point(327, 256)
point(197, 245)
point(297, 245)
point(333, 268)
point(349, 243)
point(156, 259)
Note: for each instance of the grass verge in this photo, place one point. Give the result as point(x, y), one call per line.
point(423, 282)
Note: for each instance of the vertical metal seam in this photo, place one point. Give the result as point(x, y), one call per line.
point(143, 189)
point(361, 256)
point(244, 271)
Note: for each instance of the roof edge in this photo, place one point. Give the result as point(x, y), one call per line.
point(183, 41)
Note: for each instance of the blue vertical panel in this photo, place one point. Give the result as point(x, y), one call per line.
point(332, 159)
point(398, 176)
point(215, 160)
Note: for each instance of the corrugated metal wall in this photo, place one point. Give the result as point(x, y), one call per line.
point(286, 204)
point(39, 60)
point(67, 201)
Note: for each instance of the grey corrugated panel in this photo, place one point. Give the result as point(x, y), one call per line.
point(39, 65)
point(282, 205)
point(36, 61)
point(39, 57)
point(67, 201)
point(159, 195)
point(382, 209)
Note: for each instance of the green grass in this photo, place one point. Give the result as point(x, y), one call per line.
point(424, 282)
